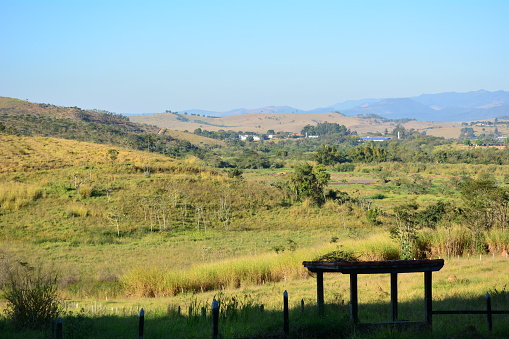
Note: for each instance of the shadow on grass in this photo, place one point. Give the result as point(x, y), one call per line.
point(253, 323)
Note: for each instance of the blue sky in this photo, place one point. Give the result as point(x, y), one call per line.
point(151, 56)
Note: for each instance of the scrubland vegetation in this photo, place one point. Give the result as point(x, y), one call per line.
point(111, 225)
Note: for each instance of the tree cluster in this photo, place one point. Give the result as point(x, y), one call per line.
point(326, 128)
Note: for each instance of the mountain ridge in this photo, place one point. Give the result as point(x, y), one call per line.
point(439, 107)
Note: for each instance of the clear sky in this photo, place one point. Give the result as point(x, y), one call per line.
point(151, 56)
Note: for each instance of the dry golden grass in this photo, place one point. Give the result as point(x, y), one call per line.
point(15, 195)
point(6, 102)
point(20, 153)
point(288, 122)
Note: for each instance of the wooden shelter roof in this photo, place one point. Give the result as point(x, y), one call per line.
point(375, 267)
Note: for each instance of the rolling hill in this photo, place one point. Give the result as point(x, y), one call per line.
point(291, 122)
point(20, 117)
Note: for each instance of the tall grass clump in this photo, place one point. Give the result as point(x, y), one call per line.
point(155, 282)
point(32, 298)
point(77, 210)
point(497, 241)
point(446, 242)
point(15, 195)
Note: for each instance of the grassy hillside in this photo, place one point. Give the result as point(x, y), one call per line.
point(19, 117)
point(32, 154)
point(63, 197)
point(12, 109)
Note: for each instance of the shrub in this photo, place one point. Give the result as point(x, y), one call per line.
point(345, 167)
point(31, 294)
point(378, 196)
point(86, 191)
point(337, 255)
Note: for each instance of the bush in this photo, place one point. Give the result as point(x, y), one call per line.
point(31, 297)
point(345, 167)
point(86, 191)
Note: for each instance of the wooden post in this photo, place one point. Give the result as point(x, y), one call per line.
point(319, 292)
point(428, 312)
point(302, 305)
point(394, 296)
point(141, 324)
point(215, 319)
point(488, 312)
point(354, 302)
point(286, 318)
point(59, 332)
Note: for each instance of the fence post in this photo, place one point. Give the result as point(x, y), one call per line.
point(302, 305)
point(215, 319)
point(488, 312)
point(319, 292)
point(141, 324)
point(58, 333)
point(286, 324)
point(428, 299)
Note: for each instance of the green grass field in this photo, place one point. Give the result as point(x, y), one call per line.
point(130, 230)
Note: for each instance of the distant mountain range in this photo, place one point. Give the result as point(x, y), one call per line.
point(441, 107)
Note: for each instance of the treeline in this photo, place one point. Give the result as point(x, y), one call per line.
point(219, 135)
point(321, 129)
point(423, 151)
point(325, 129)
point(337, 146)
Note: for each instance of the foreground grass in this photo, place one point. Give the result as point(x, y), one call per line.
point(461, 284)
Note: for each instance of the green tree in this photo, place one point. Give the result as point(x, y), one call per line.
point(328, 155)
point(467, 132)
point(433, 214)
point(368, 152)
point(309, 182)
point(486, 205)
point(326, 128)
point(399, 132)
